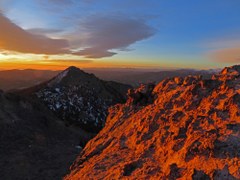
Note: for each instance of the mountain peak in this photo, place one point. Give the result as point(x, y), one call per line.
point(70, 75)
point(73, 68)
point(81, 98)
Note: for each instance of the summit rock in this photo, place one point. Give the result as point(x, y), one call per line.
point(189, 130)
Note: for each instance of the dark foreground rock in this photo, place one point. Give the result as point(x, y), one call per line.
point(34, 144)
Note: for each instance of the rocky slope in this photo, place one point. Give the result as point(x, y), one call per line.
point(185, 128)
point(80, 98)
point(34, 144)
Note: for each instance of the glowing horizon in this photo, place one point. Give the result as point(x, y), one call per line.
point(148, 34)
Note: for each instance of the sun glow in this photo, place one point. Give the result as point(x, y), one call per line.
point(14, 60)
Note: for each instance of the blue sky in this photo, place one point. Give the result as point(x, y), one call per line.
point(143, 33)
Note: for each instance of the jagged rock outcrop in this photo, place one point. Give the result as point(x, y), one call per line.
point(190, 130)
point(143, 95)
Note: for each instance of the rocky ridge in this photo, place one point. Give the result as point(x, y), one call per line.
point(186, 128)
point(80, 98)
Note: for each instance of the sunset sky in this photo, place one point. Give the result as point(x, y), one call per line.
point(54, 34)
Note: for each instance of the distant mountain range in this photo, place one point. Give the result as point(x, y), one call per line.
point(18, 79)
point(135, 78)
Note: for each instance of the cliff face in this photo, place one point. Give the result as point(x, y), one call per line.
point(184, 128)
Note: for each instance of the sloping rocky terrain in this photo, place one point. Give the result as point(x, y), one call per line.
point(183, 128)
point(80, 98)
point(34, 143)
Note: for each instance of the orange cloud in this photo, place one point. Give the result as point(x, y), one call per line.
point(95, 37)
point(103, 35)
point(14, 38)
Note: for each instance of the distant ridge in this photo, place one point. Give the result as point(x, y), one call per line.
point(11, 80)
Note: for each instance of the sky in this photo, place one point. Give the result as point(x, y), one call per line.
point(54, 34)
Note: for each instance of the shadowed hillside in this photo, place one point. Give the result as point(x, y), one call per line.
point(34, 143)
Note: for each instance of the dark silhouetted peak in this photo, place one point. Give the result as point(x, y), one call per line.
point(74, 70)
point(80, 98)
point(71, 76)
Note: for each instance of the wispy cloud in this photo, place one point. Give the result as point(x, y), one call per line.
point(95, 37)
point(100, 35)
point(42, 31)
point(14, 38)
point(94, 53)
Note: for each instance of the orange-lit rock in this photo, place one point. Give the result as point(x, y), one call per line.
point(191, 130)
